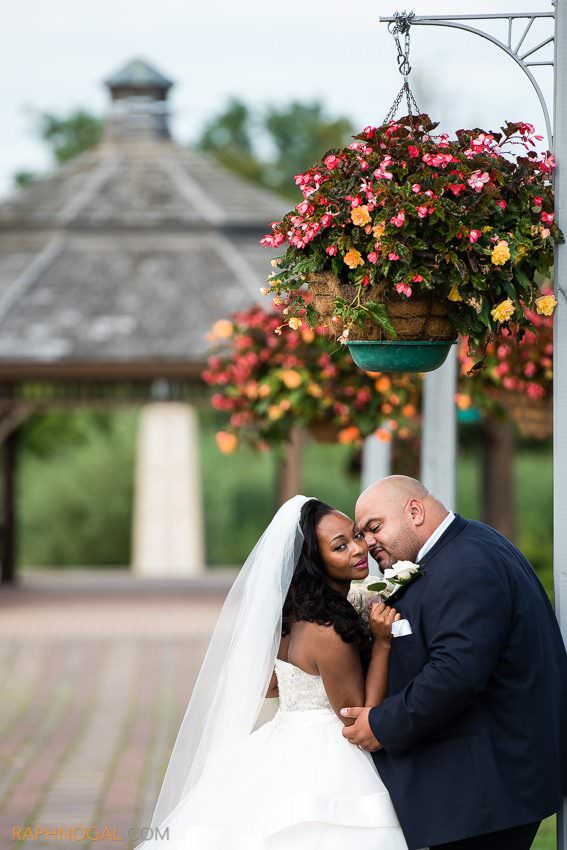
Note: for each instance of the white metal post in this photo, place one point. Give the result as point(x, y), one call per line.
point(560, 350)
point(439, 442)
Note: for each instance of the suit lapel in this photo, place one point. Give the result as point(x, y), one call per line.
point(450, 533)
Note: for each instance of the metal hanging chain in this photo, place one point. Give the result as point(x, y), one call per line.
point(401, 26)
point(398, 27)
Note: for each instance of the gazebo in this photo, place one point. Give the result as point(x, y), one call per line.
point(112, 270)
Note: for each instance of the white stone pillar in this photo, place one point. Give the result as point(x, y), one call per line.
point(168, 516)
point(376, 460)
point(439, 445)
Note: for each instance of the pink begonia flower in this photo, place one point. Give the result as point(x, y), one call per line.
point(530, 369)
point(332, 250)
point(413, 151)
point(477, 180)
point(547, 163)
point(535, 391)
point(369, 131)
point(547, 217)
point(372, 257)
point(364, 281)
point(538, 201)
point(502, 204)
point(326, 219)
point(393, 256)
point(404, 289)
point(417, 278)
point(363, 164)
point(456, 188)
point(509, 383)
point(474, 236)
point(398, 219)
point(305, 208)
point(422, 212)
point(331, 161)
point(545, 232)
point(416, 188)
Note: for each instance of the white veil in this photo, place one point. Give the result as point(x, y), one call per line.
point(236, 671)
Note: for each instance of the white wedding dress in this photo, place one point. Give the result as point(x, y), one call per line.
point(295, 784)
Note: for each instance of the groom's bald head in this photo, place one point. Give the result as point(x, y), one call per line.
point(397, 515)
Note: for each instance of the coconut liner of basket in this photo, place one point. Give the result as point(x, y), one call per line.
point(534, 417)
point(323, 431)
point(421, 317)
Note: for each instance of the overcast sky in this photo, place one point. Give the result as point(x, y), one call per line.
point(53, 57)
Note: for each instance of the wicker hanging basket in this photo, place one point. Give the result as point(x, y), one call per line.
point(421, 317)
point(533, 417)
point(323, 431)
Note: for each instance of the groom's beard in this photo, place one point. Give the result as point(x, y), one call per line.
point(386, 558)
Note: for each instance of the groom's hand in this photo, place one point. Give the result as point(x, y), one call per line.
point(360, 732)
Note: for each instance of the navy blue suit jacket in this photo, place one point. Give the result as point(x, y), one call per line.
point(474, 726)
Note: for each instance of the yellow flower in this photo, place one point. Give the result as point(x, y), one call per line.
point(454, 294)
point(500, 253)
point(223, 329)
point(353, 258)
point(360, 216)
point(314, 390)
point(274, 412)
point(291, 379)
point(275, 262)
point(503, 311)
point(463, 401)
point(226, 442)
point(545, 305)
point(379, 229)
point(264, 390)
point(294, 323)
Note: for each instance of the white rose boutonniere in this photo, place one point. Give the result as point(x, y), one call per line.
point(402, 572)
point(365, 592)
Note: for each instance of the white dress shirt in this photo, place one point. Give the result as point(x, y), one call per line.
point(431, 541)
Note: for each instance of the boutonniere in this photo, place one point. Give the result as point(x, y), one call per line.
point(399, 574)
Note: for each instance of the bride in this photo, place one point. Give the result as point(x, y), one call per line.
point(286, 629)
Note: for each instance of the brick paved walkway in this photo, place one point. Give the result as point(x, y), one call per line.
point(96, 673)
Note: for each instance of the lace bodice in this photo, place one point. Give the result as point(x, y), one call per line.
point(299, 691)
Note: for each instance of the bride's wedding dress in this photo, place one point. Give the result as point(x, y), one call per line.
point(294, 783)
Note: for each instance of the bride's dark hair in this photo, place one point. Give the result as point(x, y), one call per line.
point(310, 596)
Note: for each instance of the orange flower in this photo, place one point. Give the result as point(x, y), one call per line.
point(226, 442)
point(383, 435)
point(463, 401)
point(378, 230)
point(264, 390)
point(349, 435)
point(308, 335)
point(353, 258)
point(291, 379)
point(404, 433)
point(383, 384)
point(387, 408)
point(360, 216)
point(223, 329)
point(408, 410)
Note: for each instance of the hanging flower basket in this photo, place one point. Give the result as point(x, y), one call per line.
point(409, 236)
point(265, 384)
point(422, 330)
point(517, 380)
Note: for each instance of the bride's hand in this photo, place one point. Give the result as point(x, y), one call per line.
point(381, 618)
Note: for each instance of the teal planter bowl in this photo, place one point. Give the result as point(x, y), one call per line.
point(394, 356)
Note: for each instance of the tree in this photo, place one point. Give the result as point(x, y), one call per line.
point(270, 146)
point(66, 136)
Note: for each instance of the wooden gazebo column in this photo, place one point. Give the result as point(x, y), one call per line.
point(9, 458)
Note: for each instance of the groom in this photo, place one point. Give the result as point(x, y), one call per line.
point(471, 741)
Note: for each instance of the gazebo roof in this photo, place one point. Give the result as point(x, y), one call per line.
point(138, 72)
point(122, 259)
